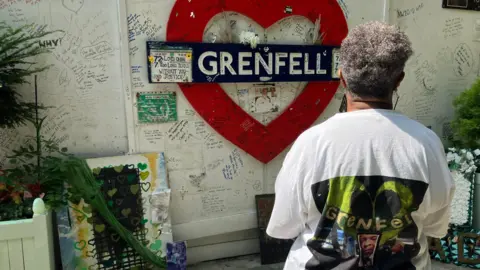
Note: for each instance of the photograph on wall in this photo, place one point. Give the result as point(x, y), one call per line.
point(264, 99)
point(457, 3)
point(156, 107)
point(160, 202)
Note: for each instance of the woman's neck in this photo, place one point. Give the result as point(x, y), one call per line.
point(355, 105)
point(359, 103)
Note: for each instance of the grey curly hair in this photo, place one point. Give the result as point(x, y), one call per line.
point(372, 57)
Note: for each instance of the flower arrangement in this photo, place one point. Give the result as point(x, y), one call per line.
point(463, 160)
point(463, 165)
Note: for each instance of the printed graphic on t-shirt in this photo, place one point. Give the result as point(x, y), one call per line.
point(366, 223)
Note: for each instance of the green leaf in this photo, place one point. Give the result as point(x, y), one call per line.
point(27, 168)
point(466, 124)
point(13, 161)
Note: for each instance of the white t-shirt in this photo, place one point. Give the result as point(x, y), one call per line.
point(362, 191)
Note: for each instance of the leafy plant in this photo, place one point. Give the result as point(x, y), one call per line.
point(466, 124)
point(37, 165)
point(17, 46)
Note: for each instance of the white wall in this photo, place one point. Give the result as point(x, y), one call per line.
point(90, 113)
point(86, 90)
point(445, 62)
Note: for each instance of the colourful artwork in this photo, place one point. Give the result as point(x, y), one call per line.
point(177, 256)
point(87, 242)
point(458, 247)
point(466, 249)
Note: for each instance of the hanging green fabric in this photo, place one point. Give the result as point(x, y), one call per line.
point(80, 177)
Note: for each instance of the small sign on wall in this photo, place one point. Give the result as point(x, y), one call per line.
point(170, 64)
point(462, 4)
point(219, 63)
point(156, 107)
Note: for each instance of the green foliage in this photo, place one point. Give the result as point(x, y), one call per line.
point(466, 125)
point(40, 166)
point(16, 211)
point(16, 47)
point(19, 44)
point(37, 166)
point(14, 112)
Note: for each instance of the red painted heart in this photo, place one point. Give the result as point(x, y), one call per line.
point(215, 106)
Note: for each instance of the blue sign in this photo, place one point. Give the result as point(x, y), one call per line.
point(220, 63)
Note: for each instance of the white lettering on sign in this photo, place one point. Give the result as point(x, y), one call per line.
point(294, 63)
point(226, 60)
point(211, 64)
point(242, 63)
point(259, 60)
point(306, 70)
point(278, 62)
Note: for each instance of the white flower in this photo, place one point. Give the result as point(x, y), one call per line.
point(469, 156)
point(463, 151)
point(451, 149)
point(457, 158)
point(476, 152)
point(461, 199)
point(450, 157)
point(472, 162)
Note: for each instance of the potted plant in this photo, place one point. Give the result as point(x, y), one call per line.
point(466, 135)
point(36, 168)
point(26, 228)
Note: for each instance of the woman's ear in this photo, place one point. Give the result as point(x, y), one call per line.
point(400, 79)
point(342, 80)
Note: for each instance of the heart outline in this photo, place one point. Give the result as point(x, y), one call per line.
point(73, 7)
point(80, 245)
point(262, 142)
point(99, 228)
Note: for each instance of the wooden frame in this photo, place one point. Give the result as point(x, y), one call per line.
point(27, 244)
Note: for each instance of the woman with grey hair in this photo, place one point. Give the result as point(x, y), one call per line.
point(365, 188)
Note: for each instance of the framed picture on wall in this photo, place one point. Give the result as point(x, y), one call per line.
point(457, 3)
point(462, 4)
